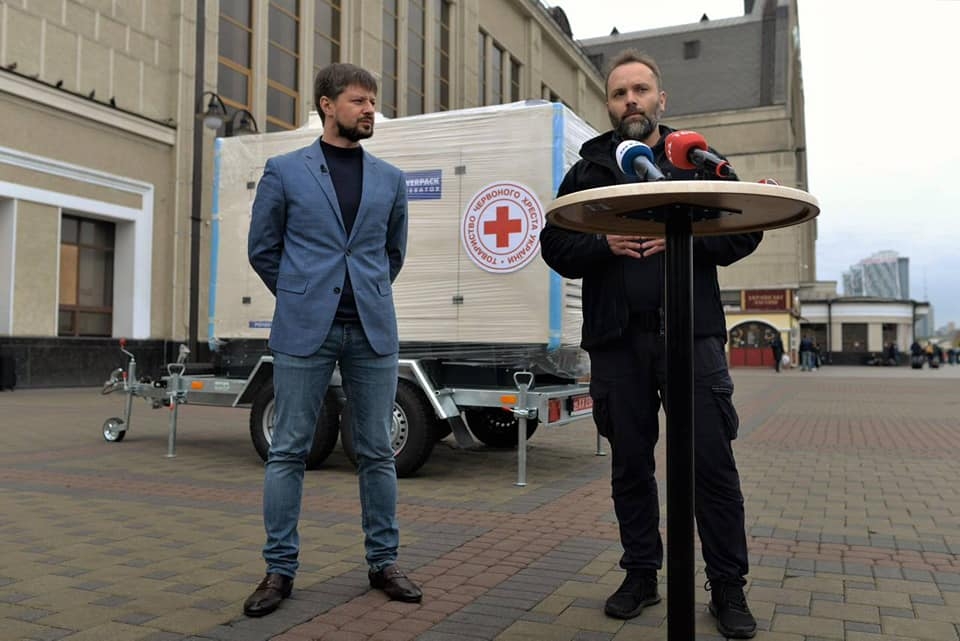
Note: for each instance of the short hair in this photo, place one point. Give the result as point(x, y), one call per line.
point(333, 79)
point(628, 56)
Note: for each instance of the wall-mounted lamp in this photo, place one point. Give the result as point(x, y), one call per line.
point(217, 115)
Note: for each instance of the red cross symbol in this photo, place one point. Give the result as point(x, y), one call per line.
point(503, 226)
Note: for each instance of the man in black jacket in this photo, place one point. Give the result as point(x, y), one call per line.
point(623, 282)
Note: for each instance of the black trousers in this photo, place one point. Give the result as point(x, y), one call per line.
point(627, 386)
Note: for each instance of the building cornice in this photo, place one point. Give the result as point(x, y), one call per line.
point(40, 92)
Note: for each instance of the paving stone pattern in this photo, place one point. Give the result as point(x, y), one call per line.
point(850, 476)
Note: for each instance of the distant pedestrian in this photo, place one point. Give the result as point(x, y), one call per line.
point(806, 354)
point(893, 354)
point(916, 355)
point(777, 346)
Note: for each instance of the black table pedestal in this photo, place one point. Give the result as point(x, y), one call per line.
point(678, 326)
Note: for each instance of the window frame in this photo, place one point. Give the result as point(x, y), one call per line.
point(109, 253)
point(234, 65)
point(275, 123)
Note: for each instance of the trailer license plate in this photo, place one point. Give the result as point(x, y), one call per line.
point(582, 404)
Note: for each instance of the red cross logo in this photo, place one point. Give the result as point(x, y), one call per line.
point(503, 226)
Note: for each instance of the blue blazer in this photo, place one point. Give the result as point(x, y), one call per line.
point(299, 247)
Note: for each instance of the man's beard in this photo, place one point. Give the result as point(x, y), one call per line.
point(353, 134)
point(638, 129)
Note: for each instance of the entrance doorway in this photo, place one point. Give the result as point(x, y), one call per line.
point(750, 344)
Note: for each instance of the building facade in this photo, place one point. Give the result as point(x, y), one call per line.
point(856, 330)
point(97, 214)
point(885, 274)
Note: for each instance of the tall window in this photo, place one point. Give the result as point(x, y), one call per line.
point(326, 34)
point(283, 65)
point(388, 78)
point(496, 75)
point(514, 79)
point(482, 70)
point(235, 59)
point(416, 56)
point(442, 39)
point(86, 277)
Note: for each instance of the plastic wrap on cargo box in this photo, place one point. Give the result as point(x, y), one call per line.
point(473, 285)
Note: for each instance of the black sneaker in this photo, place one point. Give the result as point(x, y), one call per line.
point(729, 605)
point(636, 592)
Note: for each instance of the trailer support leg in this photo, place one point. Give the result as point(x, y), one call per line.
point(172, 436)
point(523, 380)
point(175, 370)
point(130, 389)
point(600, 450)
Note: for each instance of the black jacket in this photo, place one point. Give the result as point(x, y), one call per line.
point(616, 287)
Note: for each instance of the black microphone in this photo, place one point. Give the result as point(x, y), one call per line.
point(688, 150)
point(323, 169)
point(636, 159)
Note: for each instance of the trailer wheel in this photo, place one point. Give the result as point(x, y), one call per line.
point(496, 427)
point(412, 434)
point(113, 430)
point(324, 437)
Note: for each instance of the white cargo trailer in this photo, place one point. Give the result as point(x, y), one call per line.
point(482, 320)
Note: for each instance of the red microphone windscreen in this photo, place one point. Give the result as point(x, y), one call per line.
point(678, 145)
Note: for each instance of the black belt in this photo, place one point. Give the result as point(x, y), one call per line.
point(646, 320)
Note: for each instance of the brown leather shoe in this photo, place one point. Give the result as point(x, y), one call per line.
point(395, 584)
point(272, 590)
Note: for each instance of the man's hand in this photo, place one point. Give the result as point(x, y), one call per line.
point(635, 246)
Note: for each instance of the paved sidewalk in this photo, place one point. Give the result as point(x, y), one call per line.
point(850, 475)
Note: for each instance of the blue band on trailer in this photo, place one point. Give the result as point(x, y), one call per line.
point(556, 282)
point(214, 244)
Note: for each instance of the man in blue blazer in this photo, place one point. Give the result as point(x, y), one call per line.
point(328, 237)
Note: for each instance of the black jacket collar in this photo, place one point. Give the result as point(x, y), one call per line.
point(602, 149)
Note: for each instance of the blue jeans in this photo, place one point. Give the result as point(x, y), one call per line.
point(370, 382)
point(806, 361)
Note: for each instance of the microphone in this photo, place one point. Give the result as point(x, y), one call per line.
point(688, 150)
point(636, 159)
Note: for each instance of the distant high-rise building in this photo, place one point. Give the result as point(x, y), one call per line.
point(885, 274)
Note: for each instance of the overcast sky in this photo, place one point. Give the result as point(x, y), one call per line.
point(882, 92)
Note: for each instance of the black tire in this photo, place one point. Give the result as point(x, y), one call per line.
point(496, 427)
point(413, 433)
point(441, 429)
point(324, 437)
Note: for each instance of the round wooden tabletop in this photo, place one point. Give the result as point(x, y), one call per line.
point(715, 207)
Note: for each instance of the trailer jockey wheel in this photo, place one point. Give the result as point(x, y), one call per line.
point(412, 433)
point(113, 430)
point(496, 427)
point(324, 437)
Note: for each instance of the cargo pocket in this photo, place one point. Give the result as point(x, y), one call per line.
point(723, 397)
point(601, 409)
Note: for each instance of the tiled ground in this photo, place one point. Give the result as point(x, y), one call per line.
point(850, 477)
